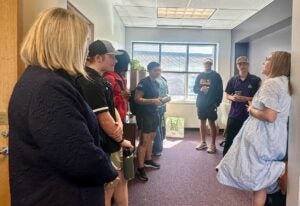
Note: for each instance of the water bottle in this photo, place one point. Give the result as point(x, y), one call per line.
point(165, 99)
point(128, 164)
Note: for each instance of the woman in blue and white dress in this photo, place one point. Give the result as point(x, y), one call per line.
point(254, 162)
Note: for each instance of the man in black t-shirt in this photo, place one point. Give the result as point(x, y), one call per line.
point(98, 94)
point(209, 89)
point(147, 96)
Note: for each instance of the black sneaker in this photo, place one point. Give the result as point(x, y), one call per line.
point(151, 164)
point(141, 174)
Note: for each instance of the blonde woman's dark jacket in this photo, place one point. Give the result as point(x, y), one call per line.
point(55, 154)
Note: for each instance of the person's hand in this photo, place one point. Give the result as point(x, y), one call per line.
point(238, 98)
point(116, 181)
point(233, 98)
point(118, 133)
point(116, 168)
point(204, 89)
point(157, 101)
point(126, 144)
point(126, 93)
point(249, 106)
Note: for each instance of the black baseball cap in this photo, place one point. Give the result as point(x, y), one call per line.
point(102, 47)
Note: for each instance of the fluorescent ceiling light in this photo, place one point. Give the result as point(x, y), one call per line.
point(185, 13)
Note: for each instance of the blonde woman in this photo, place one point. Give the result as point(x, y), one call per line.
point(253, 162)
point(55, 156)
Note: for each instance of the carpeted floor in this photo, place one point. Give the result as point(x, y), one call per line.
point(187, 178)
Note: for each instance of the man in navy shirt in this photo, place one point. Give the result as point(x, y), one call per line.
point(147, 96)
point(239, 90)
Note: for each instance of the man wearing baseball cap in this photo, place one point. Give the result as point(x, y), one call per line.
point(209, 89)
point(239, 90)
point(98, 94)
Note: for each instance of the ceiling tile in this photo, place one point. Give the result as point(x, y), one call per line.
point(172, 3)
point(117, 2)
point(231, 14)
point(136, 21)
point(193, 22)
point(164, 21)
point(247, 15)
point(149, 3)
point(122, 11)
point(142, 11)
point(218, 23)
point(226, 4)
point(260, 4)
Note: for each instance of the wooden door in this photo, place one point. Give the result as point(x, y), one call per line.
point(10, 69)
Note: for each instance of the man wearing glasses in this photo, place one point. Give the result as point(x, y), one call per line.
point(239, 90)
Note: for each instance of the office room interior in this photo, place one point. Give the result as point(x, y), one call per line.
point(170, 32)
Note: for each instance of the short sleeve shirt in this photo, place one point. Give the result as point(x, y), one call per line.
point(150, 88)
point(163, 90)
point(248, 88)
point(98, 94)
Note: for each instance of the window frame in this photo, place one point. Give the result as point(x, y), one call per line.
point(186, 72)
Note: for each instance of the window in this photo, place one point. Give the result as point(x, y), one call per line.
point(180, 63)
point(146, 53)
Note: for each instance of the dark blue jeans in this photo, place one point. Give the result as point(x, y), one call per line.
point(160, 135)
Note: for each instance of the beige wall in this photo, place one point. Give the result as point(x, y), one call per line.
point(31, 8)
point(189, 112)
point(294, 140)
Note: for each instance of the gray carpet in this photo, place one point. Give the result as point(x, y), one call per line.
point(187, 178)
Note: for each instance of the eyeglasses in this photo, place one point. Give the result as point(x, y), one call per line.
point(243, 63)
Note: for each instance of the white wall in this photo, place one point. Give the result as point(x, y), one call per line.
point(189, 112)
point(107, 23)
point(260, 23)
point(275, 12)
point(293, 193)
point(259, 49)
point(221, 37)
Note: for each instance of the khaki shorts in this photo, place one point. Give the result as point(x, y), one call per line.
point(117, 160)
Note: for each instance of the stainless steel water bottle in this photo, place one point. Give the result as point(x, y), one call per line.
point(128, 164)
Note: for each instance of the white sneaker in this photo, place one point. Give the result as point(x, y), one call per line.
point(211, 149)
point(201, 146)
